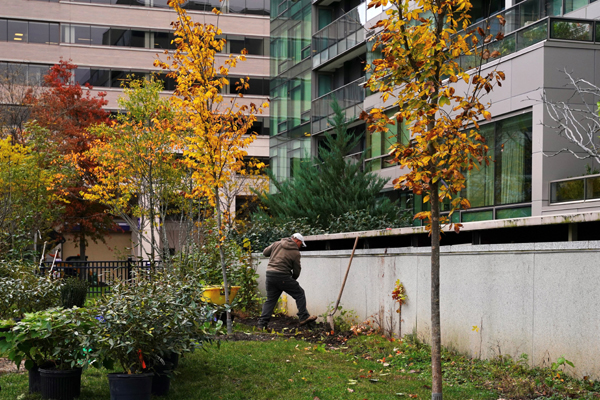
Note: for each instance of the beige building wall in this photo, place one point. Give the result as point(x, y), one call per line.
point(117, 247)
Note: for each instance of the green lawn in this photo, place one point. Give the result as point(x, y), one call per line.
point(275, 369)
point(365, 367)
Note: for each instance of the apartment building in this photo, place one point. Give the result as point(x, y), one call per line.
point(319, 51)
point(111, 39)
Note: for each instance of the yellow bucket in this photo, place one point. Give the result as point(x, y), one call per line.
point(216, 294)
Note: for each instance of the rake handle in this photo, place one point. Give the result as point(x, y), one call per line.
point(337, 303)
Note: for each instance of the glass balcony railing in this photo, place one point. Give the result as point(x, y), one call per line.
point(549, 28)
point(350, 98)
point(342, 34)
point(578, 189)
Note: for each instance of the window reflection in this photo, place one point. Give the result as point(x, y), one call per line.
point(99, 77)
point(100, 35)
point(17, 31)
point(3, 30)
point(81, 34)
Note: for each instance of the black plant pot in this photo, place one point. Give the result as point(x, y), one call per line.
point(172, 359)
point(35, 380)
point(58, 384)
point(161, 382)
point(130, 386)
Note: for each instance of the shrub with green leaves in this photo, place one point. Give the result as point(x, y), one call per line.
point(56, 336)
point(23, 290)
point(73, 293)
point(144, 320)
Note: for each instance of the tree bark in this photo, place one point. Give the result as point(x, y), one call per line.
point(222, 256)
point(81, 245)
point(436, 335)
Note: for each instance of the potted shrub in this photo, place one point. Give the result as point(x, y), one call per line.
point(52, 343)
point(145, 322)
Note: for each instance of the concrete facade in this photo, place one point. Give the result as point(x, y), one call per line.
point(538, 299)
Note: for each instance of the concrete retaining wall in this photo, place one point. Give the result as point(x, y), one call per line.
point(541, 299)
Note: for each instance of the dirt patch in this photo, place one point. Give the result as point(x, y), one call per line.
point(286, 326)
point(7, 366)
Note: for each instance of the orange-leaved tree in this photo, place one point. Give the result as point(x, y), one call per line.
point(216, 130)
point(139, 173)
point(65, 110)
point(440, 103)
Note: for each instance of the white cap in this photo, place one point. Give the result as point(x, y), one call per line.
point(300, 238)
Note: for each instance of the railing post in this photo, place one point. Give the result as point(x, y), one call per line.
point(129, 267)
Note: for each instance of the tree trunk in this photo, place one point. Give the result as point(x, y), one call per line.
point(151, 213)
point(436, 335)
point(222, 256)
point(81, 245)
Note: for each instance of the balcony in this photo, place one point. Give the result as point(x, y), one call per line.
point(341, 35)
point(548, 28)
point(579, 189)
point(350, 97)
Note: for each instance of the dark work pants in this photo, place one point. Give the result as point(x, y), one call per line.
point(276, 284)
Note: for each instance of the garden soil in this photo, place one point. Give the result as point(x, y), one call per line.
point(286, 326)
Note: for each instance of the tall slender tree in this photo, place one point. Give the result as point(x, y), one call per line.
point(217, 130)
point(420, 72)
point(138, 171)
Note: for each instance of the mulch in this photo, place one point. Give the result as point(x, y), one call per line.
point(287, 327)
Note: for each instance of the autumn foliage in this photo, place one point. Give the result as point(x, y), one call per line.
point(65, 110)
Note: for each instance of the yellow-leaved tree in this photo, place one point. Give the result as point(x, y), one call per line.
point(440, 103)
point(216, 129)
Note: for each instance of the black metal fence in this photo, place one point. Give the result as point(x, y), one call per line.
point(101, 274)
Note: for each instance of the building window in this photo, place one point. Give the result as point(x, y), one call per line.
point(28, 32)
point(379, 143)
point(507, 180)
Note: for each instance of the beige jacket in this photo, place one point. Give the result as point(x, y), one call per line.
point(284, 258)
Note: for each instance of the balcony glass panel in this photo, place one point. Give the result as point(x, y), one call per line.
point(571, 30)
point(521, 212)
point(572, 5)
point(571, 190)
point(592, 188)
point(347, 97)
point(532, 35)
point(342, 34)
point(477, 216)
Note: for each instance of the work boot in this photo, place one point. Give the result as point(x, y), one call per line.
point(308, 320)
point(261, 327)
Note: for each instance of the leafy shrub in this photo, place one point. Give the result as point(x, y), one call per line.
point(58, 336)
point(73, 293)
point(145, 320)
point(23, 290)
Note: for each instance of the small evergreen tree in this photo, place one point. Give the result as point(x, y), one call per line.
point(331, 185)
